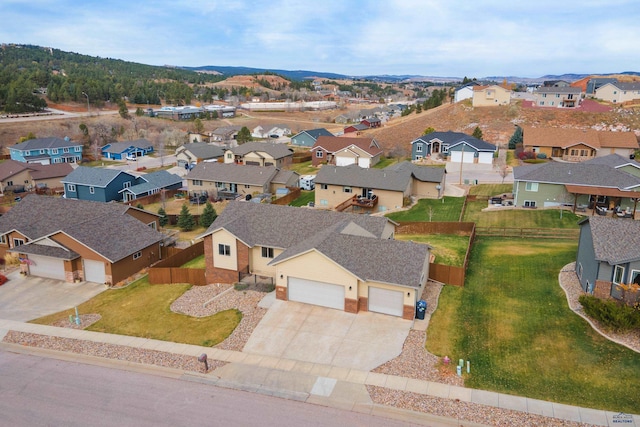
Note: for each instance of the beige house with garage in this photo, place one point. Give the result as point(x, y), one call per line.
point(331, 259)
point(490, 96)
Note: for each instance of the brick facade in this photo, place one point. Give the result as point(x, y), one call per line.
point(408, 312)
point(281, 293)
point(602, 289)
point(350, 305)
point(363, 304)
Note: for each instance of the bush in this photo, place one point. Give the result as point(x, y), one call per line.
point(526, 155)
point(541, 156)
point(3, 279)
point(613, 315)
point(534, 161)
point(240, 286)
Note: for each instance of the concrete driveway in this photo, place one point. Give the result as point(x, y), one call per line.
point(27, 298)
point(314, 334)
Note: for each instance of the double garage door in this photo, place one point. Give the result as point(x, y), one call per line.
point(316, 293)
point(42, 266)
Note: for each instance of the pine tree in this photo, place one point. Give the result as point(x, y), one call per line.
point(164, 220)
point(516, 138)
point(477, 132)
point(185, 219)
point(208, 215)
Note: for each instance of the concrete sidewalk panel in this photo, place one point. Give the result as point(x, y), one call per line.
point(593, 416)
point(396, 383)
point(339, 373)
point(376, 379)
point(323, 386)
point(460, 393)
point(516, 403)
point(291, 381)
point(483, 397)
point(566, 412)
point(438, 389)
point(357, 376)
point(540, 407)
point(417, 386)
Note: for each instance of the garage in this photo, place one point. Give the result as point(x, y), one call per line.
point(316, 293)
point(485, 157)
point(43, 266)
point(364, 162)
point(93, 271)
point(345, 161)
point(457, 156)
point(386, 301)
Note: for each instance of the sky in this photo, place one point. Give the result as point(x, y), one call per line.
point(449, 38)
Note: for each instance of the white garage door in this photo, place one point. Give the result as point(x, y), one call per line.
point(364, 162)
point(386, 301)
point(485, 158)
point(93, 271)
point(456, 156)
point(316, 293)
point(345, 161)
point(42, 266)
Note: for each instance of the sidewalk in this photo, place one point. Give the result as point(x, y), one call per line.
point(312, 383)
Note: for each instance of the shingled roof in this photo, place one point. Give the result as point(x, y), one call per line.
point(105, 228)
point(277, 151)
point(232, 173)
point(45, 143)
point(615, 240)
point(97, 177)
point(38, 171)
point(597, 175)
point(566, 137)
point(333, 144)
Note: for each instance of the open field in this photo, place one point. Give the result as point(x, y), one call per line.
point(142, 310)
point(512, 321)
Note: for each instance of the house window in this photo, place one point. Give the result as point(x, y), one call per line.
point(3, 239)
point(42, 151)
point(78, 149)
point(9, 183)
point(445, 148)
point(584, 153)
point(324, 202)
point(126, 184)
point(544, 95)
point(319, 154)
point(529, 203)
point(92, 190)
point(347, 190)
point(267, 252)
point(18, 242)
point(541, 103)
point(574, 152)
point(229, 156)
point(54, 151)
point(137, 255)
point(65, 150)
point(152, 225)
point(71, 188)
point(635, 276)
point(531, 186)
point(224, 249)
point(197, 182)
point(324, 186)
point(418, 148)
point(618, 274)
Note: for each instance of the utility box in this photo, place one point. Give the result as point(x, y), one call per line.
point(421, 309)
point(308, 182)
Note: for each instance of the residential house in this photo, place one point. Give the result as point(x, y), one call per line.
point(577, 145)
point(490, 96)
point(558, 96)
point(371, 122)
point(330, 259)
point(18, 176)
point(229, 180)
point(97, 184)
point(608, 257)
point(453, 146)
point(619, 93)
point(72, 240)
point(122, 150)
point(376, 190)
point(189, 155)
point(259, 154)
point(151, 183)
point(357, 128)
point(597, 83)
point(270, 131)
point(47, 151)
point(464, 92)
point(596, 184)
point(365, 152)
point(225, 134)
point(307, 138)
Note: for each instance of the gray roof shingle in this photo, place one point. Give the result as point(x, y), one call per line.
point(615, 240)
point(97, 177)
point(232, 173)
point(45, 143)
point(277, 151)
point(202, 150)
point(119, 147)
point(354, 175)
point(597, 175)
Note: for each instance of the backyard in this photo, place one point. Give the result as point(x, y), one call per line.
point(442, 210)
point(448, 249)
point(142, 310)
point(304, 199)
point(512, 321)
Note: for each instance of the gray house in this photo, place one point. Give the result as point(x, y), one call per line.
point(608, 257)
point(454, 146)
point(307, 138)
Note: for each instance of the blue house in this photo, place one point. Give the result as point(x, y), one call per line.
point(307, 138)
point(47, 151)
point(97, 184)
point(151, 183)
point(454, 146)
point(122, 150)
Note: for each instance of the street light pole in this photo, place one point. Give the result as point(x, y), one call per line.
point(88, 108)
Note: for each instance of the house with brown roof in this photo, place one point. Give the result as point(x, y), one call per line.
point(259, 154)
point(18, 176)
point(343, 261)
point(341, 151)
point(490, 96)
point(67, 239)
point(578, 145)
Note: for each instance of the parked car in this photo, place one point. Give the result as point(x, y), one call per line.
point(274, 136)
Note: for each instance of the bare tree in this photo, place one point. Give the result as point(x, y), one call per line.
point(503, 168)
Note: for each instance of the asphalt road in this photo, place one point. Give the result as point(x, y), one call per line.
point(36, 391)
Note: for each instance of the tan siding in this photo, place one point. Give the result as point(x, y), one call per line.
point(259, 264)
point(220, 261)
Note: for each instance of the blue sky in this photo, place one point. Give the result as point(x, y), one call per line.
point(424, 37)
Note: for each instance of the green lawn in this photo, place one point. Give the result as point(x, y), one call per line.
point(446, 209)
point(195, 263)
point(512, 322)
point(490, 189)
point(519, 218)
point(304, 199)
point(384, 162)
point(448, 249)
point(304, 168)
point(142, 310)
point(512, 160)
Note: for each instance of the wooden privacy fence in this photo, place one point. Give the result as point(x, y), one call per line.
point(449, 274)
point(293, 194)
point(535, 233)
point(170, 270)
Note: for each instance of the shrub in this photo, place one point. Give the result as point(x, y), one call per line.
point(534, 161)
point(3, 279)
point(541, 156)
point(526, 155)
point(613, 315)
point(240, 286)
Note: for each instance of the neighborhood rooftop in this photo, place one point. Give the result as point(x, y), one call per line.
point(615, 241)
point(230, 172)
point(597, 175)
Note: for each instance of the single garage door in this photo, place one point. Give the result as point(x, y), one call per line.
point(42, 266)
point(485, 157)
point(316, 293)
point(456, 156)
point(93, 271)
point(345, 161)
point(364, 162)
point(386, 301)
